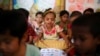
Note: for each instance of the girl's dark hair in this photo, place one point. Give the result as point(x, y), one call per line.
point(75, 13)
point(63, 12)
point(48, 13)
point(88, 10)
point(39, 12)
point(48, 10)
point(14, 22)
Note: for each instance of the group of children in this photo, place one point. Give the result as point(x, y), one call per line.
point(74, 35)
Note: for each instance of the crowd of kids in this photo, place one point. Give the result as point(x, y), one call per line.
point(76, 33)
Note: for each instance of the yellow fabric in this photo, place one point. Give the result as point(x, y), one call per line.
point(58, 44)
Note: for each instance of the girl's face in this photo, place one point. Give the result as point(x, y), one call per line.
point(64, 18)
point(49, 19)
point(84, 41)
point(39, 18)
point(8, 44)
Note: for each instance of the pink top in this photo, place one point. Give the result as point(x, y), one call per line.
point(53, 34)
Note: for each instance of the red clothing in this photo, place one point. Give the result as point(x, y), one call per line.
point(71, 52)
point(69, 26)
point(30, 32)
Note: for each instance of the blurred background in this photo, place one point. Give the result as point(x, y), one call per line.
point(57, 5)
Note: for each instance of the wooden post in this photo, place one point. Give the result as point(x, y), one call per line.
point(62, 4)
point(10, 4)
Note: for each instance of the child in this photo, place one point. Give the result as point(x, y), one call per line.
point(86, 35)
point(13, 27)
point(64, 16)
point(49, 36)
point(37, 22)
point(74, 15)
point(63, 23)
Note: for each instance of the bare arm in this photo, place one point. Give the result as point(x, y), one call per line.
point(65, 37)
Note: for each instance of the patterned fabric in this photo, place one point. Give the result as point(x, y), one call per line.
point(64, 28)
point(36, 27)
point(58, 44)
point(51, 39)
point(52, 52)
point(31, 31)
point(53, 34)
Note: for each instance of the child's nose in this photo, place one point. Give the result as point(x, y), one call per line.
point(50, 20)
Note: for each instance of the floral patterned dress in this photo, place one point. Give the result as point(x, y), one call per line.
point(51, 39)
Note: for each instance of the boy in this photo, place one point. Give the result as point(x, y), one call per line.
point(13, 27)
point(86, 35)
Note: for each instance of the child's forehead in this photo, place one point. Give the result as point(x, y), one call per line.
point(65, 14)
point(81, 29)
point(6, 37)
point(81, 32)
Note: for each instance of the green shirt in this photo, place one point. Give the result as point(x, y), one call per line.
point(31, 50)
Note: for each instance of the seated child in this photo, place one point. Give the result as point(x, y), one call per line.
point(63, 23)
point(36, 24)
point(86, 35)
point(13, 27)
point(49, 35)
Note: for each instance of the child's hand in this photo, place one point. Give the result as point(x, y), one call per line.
point(36, 39)
point(68, 41)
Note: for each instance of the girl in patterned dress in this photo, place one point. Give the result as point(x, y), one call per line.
point(50, 32)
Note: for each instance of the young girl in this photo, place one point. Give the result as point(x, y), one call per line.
point(64, 16)
point(86, 35)
point(63, 23)
point(49, 36)
point(12, 35)
point(37, 22)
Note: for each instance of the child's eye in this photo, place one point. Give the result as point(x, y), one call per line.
point(82, 38)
